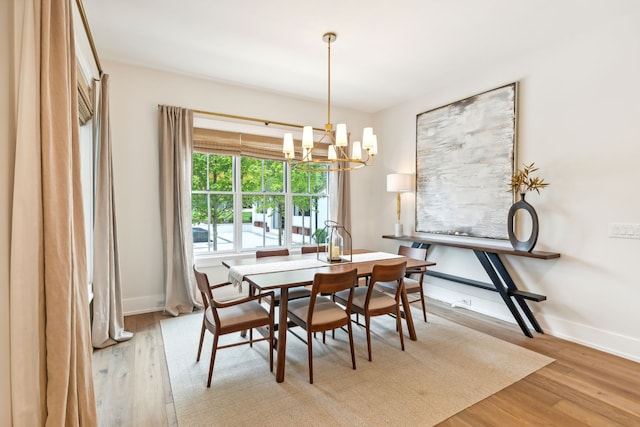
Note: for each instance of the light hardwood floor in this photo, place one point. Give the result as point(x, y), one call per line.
point(582, 387)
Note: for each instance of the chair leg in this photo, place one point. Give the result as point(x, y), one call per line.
point(424, 306)
point(250, 337)
point(201, 340)
point(310, 355)
point(353, 352)
point(271, 346)
point(368, 327)
point(214, 347)
point(399, 326)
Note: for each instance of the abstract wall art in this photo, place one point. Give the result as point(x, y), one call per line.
point(464, 163)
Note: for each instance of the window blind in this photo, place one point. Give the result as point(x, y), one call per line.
point(248, 145)
point(85, 98)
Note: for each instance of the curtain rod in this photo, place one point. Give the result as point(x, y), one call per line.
point(87, 30)
point(252, 119)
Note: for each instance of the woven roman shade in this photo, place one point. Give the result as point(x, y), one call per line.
point(244, 144)
point(85, 98)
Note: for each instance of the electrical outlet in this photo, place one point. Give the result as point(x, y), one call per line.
point(624, 230)
point(461, 303)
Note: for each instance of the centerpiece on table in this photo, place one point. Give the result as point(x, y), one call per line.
point(338, 244)
point(522, 182)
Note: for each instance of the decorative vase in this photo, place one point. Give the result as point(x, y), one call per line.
point(523, 245)
point(336, 245)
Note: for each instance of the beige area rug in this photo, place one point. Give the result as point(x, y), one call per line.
point(449, 368)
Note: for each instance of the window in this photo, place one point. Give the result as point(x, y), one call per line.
point(310, 203)
point(244, 203)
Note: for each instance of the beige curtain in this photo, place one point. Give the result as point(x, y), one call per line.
point(108, 320)
point(340, 198)
point(51, 378)
point(176, 145)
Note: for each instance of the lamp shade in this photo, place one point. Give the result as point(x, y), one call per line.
point(399, 182)
point(356, 150)
point(341, 135)
point(287, 146)
point(307, 137)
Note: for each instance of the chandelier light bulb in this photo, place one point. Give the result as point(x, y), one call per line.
point(287, 145)
point(341, 135)
point(367, 143)
point(356, 151)
point(307, 137)
point(374, 146)
point(332, 153)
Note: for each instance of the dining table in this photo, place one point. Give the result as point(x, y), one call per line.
point(285, 272)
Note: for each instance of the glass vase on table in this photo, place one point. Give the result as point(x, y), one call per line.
point(338, 243)
point(336, 246)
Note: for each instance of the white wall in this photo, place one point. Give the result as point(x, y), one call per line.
point(578, 115)
point(135, 95)
point(577, 118)
point(7, 147)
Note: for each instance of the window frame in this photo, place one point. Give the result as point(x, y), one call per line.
point(238, 194)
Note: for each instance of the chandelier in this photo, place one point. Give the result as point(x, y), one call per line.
point(331, 152)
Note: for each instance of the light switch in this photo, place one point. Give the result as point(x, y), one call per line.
point(624, 230)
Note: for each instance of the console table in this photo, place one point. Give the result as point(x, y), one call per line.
point(489, 257)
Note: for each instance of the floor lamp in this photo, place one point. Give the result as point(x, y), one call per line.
point(398, 183)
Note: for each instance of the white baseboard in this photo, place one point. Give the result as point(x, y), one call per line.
point(619, 345)
point(490, 303)
point(141, 305)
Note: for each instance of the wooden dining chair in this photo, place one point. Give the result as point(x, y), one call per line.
point(221, 318)
point(370, 302)
point(263, 253)
point(294, 293)
point(313, 249)
point(319, 313)
point(413, 277)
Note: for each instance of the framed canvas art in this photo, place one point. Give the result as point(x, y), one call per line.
point(464, 163)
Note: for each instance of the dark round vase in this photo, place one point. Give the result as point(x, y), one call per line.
point(523, 245)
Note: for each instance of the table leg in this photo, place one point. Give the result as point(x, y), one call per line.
point(408, 317)
point(502, 270)
point(282, 334)
point(500, 287)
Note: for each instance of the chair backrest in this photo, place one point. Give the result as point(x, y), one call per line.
point(387, 273)
point(272, 252)
point(415, 253)
point(313, 249)
point(207, 295)
point(203, 285)
point(330, 283)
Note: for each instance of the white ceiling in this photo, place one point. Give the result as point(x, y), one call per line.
point(387, 51)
